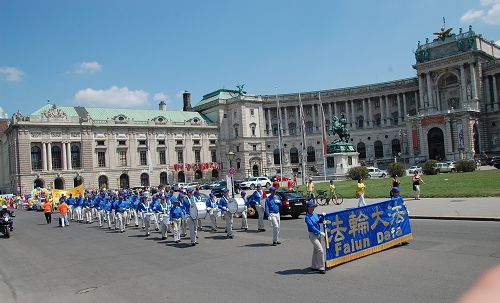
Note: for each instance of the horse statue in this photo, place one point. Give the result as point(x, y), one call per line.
point(338, 126)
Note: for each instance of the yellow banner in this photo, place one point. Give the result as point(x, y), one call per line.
point(75, 191)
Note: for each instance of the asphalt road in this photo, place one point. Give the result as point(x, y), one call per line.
point(80, 263)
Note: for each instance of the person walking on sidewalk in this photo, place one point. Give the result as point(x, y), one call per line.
point(394, 184)
point(310, 189)
point(360, 193)
point(47, 210)
point(315, 236)
point(416, 184)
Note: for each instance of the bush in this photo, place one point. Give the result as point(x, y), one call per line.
point(465, 165)
point(396, 169)
point(359, 172)
point(429, 167)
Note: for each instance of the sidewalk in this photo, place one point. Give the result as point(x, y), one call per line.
point(483, 209)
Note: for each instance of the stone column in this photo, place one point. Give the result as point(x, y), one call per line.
point(405, 112)
point(44, 156)
point(487, 95)
point(382, 111)
point(297, 119)
point(400, 117)
point(365, 118)
point(370, 113)
point(420, 101)
point(429, 89)
point(473, 82)
point(49, 156)
point(463, 85)
point(495, 93)
point(423, 142)
point(417, 98)
point(64, 159)
point(387, 111)
point(269, 124)
point(286, 128)
point(313, 113)
point(335, 109)
point(448, 150)
point(329, 111)
point(353, 115)
point(68, 150)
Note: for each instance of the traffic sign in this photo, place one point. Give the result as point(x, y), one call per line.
point(231, 171)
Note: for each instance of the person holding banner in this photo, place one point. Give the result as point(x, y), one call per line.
point(272, 211)
point(315, 236)
point(360, 193)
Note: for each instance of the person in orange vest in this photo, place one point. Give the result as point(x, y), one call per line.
point(47, 209)
point(63, 212)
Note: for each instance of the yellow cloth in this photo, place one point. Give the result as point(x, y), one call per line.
point(310, 187)
point(331, 188)
point(361, 188)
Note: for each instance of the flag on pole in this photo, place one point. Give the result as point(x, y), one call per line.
point(323, 126)
point(303, 137)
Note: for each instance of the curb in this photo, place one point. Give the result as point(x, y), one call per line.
point(489, 219)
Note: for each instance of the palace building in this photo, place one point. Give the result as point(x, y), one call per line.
point(449, 111)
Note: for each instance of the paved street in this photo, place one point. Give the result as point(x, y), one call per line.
point(80, 263)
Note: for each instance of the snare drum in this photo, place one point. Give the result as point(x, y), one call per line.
point(165, 219)
point(150, 217)
point(198, 210)
point(236, 205)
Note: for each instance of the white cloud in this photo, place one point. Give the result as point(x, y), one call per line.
point(11, 73)
point(88, 67)
point(2, 113)
point(112, 97)
point(161, 97)
point(179, 94)
point(498, 43)
point(489, 14)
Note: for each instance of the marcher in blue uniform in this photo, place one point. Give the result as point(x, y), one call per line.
point(163, 209)
point(186, 206)
point(272, 211)
point(87, 209)
point(228, 216)
point(213, 210)
point(99, 205)
point(244, 220)
point(257, 199)
point(71, 207)
point(79, 208)
point(121, 214)
point(146, 208)
point(176, 214)
point(315, 236)
point(107, 211)
point(197, 197)
point(193, 223)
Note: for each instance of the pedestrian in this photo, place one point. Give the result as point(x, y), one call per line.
point(228, 216)
point(63, 213)
point(257, 199)
point(193, 223)
point(315, 236)
point(394, 184)
point(290, 184)
point(360, 193)
point(47, 210)
point(272, 211)
point(331, 192)
point(310, 188)
point(244, 221)
point(416, 184)
point(276, 183)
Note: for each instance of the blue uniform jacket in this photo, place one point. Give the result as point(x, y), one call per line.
point(223, 202)
point(176, 212)
point(211, 202)
point(70, 201)
point(273, 205)
point(255, 197)
point(313, 221)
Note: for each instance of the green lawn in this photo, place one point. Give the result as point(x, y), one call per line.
point(447, 185)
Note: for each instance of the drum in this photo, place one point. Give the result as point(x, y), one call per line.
point(198, 210)
point(236, 205)
point(150, 217)
point(165, 219)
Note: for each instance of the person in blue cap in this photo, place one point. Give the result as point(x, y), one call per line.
point(193, 223)
point(315, 236)
point(244, 221)
point(78, 208)
point(142, 208)
point(163, 209)
point(71, 205)
point(197, 197)
point(99, 207)
point(186, 206)
point(257, 199)
point(272, 211)
point(176, 214)
point(107, 212)
point(121, 214)
point(212, 209)
point(228, 216)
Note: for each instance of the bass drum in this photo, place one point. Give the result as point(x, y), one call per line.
point(236, 205)
point(198, 210)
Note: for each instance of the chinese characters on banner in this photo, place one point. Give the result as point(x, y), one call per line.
point(75, 191)
point(358, 232)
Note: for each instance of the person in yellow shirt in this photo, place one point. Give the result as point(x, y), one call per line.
point(331, 191)
point(360, 193)
point(310, 188)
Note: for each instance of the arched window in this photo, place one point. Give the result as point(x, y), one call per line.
point(215, 173)
point(198, 174)
point(102, 181)
point(144, 179)
point(276, 155)
point(75, 156)
point(255, 170)
point(59, 183)
point(77, 181)
point(181, 177)
point(361, 121)
point(309, 127)
point(56, 157)
point(294, 155)
point(36, 158)
point(38, 183)
point(361, 150)
point(396, 147)
point(163, 178)
point(252, 128)
point(311, 154)
point(379, 149)
point(292, 128)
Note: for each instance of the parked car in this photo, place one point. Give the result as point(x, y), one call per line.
point(376, 172)
point(252, 182)
point(443, 167)
point(218, 188)
point(415, 168)
point(191, 185)
point(293, 203)
point(494, 160)
point(177, 187)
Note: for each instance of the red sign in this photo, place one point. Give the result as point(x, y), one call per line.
point(429, 120)
point(414, 136)
point(231, 171)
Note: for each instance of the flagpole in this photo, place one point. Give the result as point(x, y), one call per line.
point(280, 139)
point(303, 137)
point(323, 134)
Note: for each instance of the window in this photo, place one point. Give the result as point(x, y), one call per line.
point(196, 142)
point(236, 132)
point(144, 179)
point(237, 148)
point(75, 157)
point(197, 156)
point(238, 165)
point(252, 112)
point(56, 157)
point(161, 142)
point(309, 127)
point(212, 141)
point(142, 142)
point(254, 147)
point(276, 155)
point(395, 117)
point(122, 142)
point(292, 128)
point(180, 156)
point(396, 147)
point(143, 159)
point(378, 120)
point(163, 158)
point(361, 150)
point(225, 115)
point(291, 114)
point(122, 158)
point(377, 103)
point(101, 159)
point(213, 154)
point(294, 155)
point(379, 149)
point(178, 142)
point(275, 129)
point(100, 143)
point(311, 154)
point(234, 114)
point(253, 130)
point(163, 178)
point(36, 158)
point(361, 121)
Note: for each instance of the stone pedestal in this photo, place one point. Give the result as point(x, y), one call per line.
point(340, 163)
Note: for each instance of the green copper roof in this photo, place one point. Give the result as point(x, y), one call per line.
point(101, 113)
point(221, 94)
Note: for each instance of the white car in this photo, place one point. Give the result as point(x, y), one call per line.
point(375, 172)
point(252, 182)
point(413, 169)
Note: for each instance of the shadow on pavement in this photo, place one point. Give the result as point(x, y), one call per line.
point(256, 245)
point(221, 237)
point(296, 271)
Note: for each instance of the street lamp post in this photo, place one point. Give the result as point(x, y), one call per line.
point(230, 156)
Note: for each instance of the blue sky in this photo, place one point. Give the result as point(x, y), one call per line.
point(134, 53)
